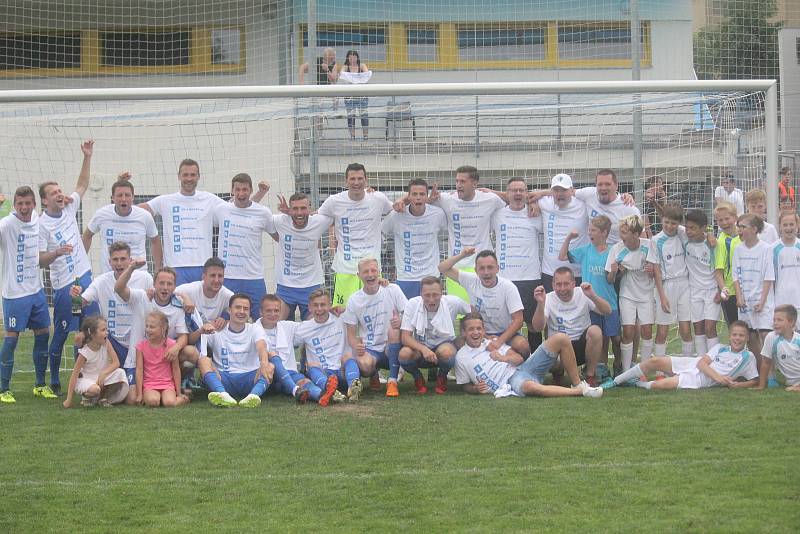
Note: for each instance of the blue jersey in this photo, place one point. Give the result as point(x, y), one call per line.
point(593, 271)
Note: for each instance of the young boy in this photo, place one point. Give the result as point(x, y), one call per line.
point(723, 365)
point(592, 258)
point(672, 298)
point(782, 349)
point(727, 241)
point(756, 202)
point(705, 296)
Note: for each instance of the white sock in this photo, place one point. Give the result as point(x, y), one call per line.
point(711, 342)
point(661, 349)
point(645, 385)
point(627, 355)
point(633, 372)
point(700, 344)
point(646, 348)
point(687, 348)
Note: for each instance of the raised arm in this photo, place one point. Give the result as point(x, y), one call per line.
point(538, 320)
point(121, 285)
point(263, 189)
point(86, 237)
point(83, 178)
point(563, 254)
point(603, 307)
point(447, 267)
point(46, 258)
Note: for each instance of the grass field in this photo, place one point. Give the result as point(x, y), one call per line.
point(714, 460)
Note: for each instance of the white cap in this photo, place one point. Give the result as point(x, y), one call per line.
point(562, 180)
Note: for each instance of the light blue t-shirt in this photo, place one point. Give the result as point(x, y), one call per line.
point(593, 271)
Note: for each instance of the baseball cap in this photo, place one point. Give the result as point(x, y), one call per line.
point(562, 180)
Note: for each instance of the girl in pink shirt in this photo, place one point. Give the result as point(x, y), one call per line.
point(158, 380)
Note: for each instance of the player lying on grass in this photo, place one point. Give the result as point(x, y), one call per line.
point(724, 365)
point(503, 372)
point(781, 349)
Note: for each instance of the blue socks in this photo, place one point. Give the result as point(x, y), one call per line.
point(213, 382)
point(351, 372)
point(313, 391)
point(445, 366)
point(282, 376)
point(7, 361)
point(393, 352)
point(40, 358)
point(318, 377)
point(260, 386)
point(411, 367)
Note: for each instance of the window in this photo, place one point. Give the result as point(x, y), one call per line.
point(368, 41)
point(145, 49)
point(599, 41)
point(422, 44)
point(39, 51)
point(501, 43)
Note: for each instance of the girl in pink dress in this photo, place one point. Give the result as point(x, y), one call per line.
point(158, 380)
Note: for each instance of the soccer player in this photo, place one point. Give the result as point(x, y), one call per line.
point(298, 267)
point(209, 296)
point(416, 238)
point(241, 223)
point(516, 236)
point(495, 298)
point(372, 319)
point(705, 296)
point(240, 367)
point(673, 301)
point(188, 223)
point(122, 222)
point(327, 352)
point(58, 227)
point(604, 199)
point(428, 333)
point(24, 301)
point(727, 241)
point(503, 372)
point(786, 261)
point(469, 214)
point(781, 349)
point(723, 365)
point(756, 203)
point(566, 309)
point(356, 218)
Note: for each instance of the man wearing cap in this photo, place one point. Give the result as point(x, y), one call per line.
point(728, 192)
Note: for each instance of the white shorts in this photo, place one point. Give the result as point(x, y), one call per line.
point(677, 292)
point(83, 384)
point(757, 320)
point(689, 376)
point(703, 306)
point(630, 310)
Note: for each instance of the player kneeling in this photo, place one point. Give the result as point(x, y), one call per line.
point(722, 366)
point(503, 372)
point(240, 366)
point(782, 349)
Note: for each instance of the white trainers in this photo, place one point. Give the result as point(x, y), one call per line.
point(221, 399)
point(251, 401)
point(589, 391)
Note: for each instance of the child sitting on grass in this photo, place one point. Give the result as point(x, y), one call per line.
point(781, 349)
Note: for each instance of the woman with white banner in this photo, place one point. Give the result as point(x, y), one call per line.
point(353, 71)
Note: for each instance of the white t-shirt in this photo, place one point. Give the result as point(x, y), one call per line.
point(208, 308)
point(700, 264)
point(432, 337)
point(372, 314)
point(236, 352)
point(240, 239)
point(636, 285)
point(786, 264)
point(469, 223)
point(21, 246)
point(475, 364)
point(188, 223)
point(298, 263)
point(671, 254)
point(96, 361)
point(769, 234)
point(516, 237)
point(140, 306)
point(571, 318)
point(735, 197)
point(556, 224)
point(358, 228)
point(732, 364)
point(785, 355)
point(416, 241)
point(614, 210)
point(495, 304)
point(116, 311)
point(751, 267)
point(134, 229)
point(325, 343)
point(56, 232)
point(285, 331)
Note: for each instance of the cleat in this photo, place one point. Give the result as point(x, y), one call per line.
point(301, 395)
point(250, 401)
point(375, 382)
point(56, 389)
point(44, 392)
point(608, 384)
point(441, 385)
point(392, 389)
point(772, 382)
point(602, 372)
point(330, 390)
point(419, 384)
point(592, 381)
point(7, 397)
point(338, 397)
point(88, 402)
point(104, 403)
point(222, 399)
point(354, 391)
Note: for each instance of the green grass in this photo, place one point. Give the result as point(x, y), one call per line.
point(712, 460)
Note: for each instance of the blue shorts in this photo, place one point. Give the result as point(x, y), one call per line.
point(121, 350)
point(188, 274)
point(381, 359)
point(130, 374)
point(255, 289)
point(609, 324)
point(409, 288)
point(62, 306)
point(26, 312)
point(534, 368)
point(295, 297)
point(238, 385)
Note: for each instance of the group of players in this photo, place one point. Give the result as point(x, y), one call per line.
point(596, 280)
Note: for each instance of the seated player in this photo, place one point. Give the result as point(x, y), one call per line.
point(723, 365)
point(428, 333)
point(372, 319)
point(240, 367)
point(503, 372)
point(781, 349)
